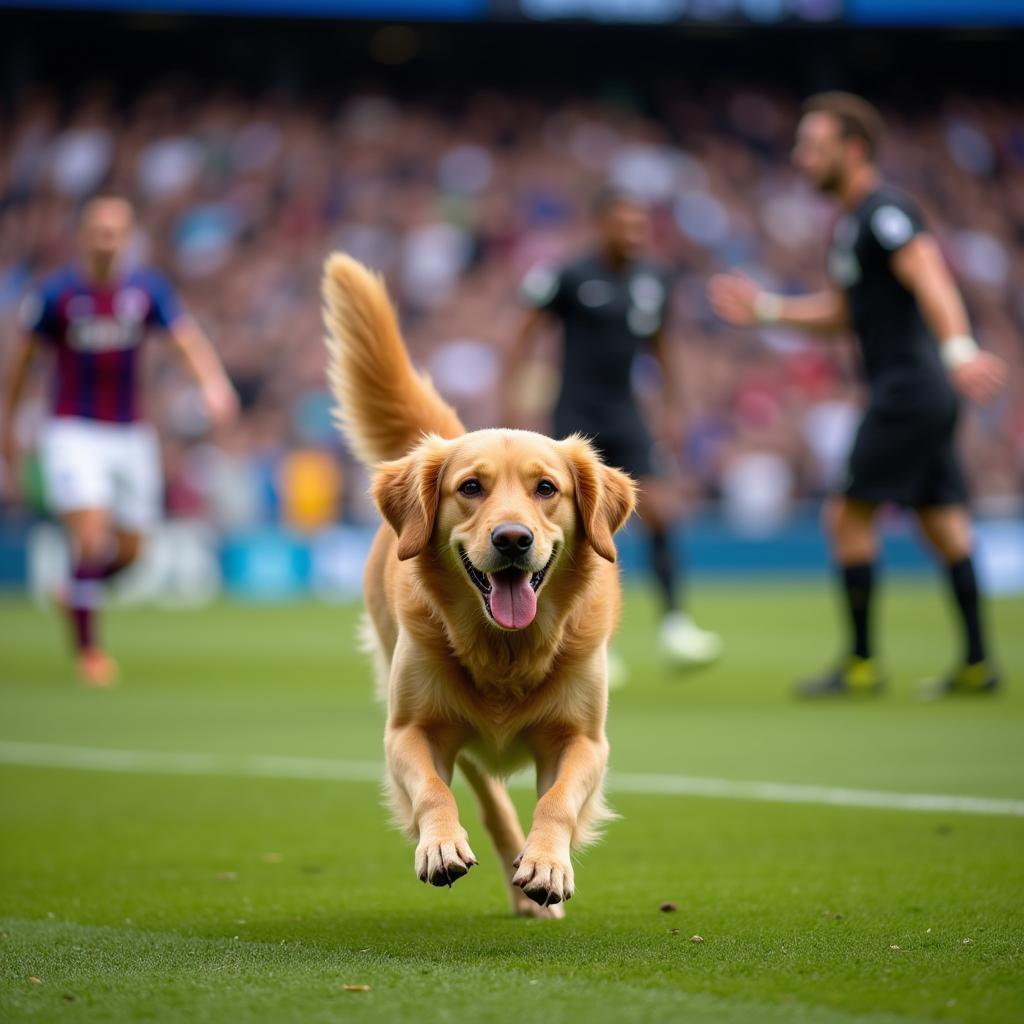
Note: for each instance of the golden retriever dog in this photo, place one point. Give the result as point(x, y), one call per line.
point(492, 593)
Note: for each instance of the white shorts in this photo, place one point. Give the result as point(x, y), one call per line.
point(113, 466)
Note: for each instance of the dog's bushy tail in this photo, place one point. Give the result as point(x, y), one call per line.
point(384, 406)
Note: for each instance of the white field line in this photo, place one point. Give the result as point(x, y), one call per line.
point(107, 759)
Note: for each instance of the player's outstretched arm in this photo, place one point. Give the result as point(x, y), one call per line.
point(515, 362)
point(202, 359)
point(741, 302)
point(17, 377)
point(920, 268)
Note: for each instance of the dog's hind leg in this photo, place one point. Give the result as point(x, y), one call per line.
point(502, 822)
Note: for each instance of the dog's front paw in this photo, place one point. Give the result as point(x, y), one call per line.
point(545, 878)
point(442, 861)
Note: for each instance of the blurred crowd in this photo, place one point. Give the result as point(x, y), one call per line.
point(239, 200)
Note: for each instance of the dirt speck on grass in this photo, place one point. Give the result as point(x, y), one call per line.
point(33, 980)
point(696, 938)
point(668, 907)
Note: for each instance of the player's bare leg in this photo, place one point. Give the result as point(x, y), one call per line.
point(98, 552)
point(852, 530)
point(947, 528)
point(948, 531)
point(850, 525)
point(686, 644)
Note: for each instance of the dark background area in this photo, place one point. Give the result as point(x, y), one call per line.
point(301, 57)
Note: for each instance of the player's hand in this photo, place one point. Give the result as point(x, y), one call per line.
point(221, 401)
point(980, 379)
point(734, 298)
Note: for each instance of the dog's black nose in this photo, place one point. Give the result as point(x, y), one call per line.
point(512, 538)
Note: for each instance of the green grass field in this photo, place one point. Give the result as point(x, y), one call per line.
point(148, 894)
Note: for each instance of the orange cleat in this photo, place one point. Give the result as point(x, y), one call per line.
point(96, 669)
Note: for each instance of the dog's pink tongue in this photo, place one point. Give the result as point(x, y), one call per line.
point(513, 601)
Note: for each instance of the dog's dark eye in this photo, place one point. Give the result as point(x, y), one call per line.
point(546, 489)
point(470, 488)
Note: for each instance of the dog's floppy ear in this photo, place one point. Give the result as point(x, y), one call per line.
point(605, 497)
point(407, 492)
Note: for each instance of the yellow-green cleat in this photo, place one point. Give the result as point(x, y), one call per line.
point(854, 677)
point(979, 679)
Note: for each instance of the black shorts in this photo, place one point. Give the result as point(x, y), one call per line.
point(622, 439)
point(906, 456)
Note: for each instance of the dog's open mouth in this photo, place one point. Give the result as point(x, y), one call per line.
point(510, 594)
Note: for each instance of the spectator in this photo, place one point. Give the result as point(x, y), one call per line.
point(240, 199)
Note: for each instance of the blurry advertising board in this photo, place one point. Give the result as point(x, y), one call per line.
point(759, 12)
point(968, 13)
point(897, 13)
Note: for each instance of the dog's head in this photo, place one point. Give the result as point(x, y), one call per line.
point(504, 510)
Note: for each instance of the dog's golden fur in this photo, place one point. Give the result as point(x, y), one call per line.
point(460, 688)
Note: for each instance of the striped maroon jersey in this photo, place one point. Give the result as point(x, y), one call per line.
point(97, 333)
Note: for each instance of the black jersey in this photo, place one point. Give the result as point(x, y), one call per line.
point(608, 315)
point(900, 353)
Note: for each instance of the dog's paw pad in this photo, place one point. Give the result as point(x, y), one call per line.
point(443, 863)
point(545, 880)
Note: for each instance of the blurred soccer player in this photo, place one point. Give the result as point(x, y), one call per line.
point(612, 303)
point(891, 286)
point(100, 459)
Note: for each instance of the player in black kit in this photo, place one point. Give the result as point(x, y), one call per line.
point(891, 287)
point(612, 304)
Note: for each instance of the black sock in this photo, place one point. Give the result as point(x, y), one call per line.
point(664, 568)
point(857, 586)
point(965, 591)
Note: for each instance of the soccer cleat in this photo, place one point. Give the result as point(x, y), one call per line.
point(96, 669)
point(855, 677)
point(686, 644)
point(968, 680)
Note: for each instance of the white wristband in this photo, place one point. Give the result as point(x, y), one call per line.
point(768, 308)
point(958, 350)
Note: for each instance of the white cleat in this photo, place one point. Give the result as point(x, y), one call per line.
point(686, 644)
